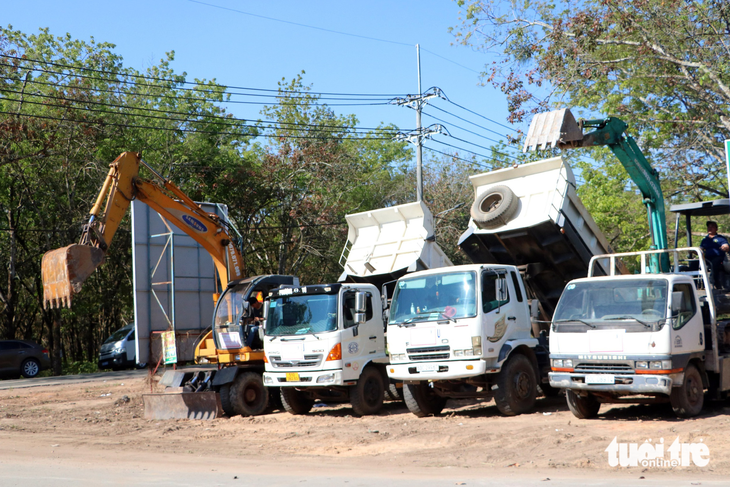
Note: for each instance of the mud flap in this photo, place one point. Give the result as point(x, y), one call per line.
point(182, 405)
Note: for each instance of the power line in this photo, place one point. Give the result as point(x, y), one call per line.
point(473, 163)
point(167, 129)
point(225, 119)
point(482, 116)
point(168, 80)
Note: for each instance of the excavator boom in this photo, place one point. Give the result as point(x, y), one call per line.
point(64, 270)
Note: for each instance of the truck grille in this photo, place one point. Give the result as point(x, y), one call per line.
point(606, 368)
point(309, 361)
point(428, 353)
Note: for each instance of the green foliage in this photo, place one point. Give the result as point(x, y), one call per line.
point(660, 65)
point(68, 108)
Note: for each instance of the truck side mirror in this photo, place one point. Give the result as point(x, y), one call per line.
point(500, 286)
point(360, 318)
point(677, 297)
point(246, 309)
point(534, 308)
point(361, 302)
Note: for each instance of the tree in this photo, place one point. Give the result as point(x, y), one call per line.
point(661, 65)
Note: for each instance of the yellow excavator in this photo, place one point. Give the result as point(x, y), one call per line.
point(239, 358)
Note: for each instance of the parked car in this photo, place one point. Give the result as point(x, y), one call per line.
point(23, 357)
point(118, 351)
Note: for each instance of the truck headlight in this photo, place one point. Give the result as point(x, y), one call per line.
point(557, 362)
point(458, 353)
point(568, 363)
point(268, 379)
point(642, 364)
point(325, 379)
point(397, 357)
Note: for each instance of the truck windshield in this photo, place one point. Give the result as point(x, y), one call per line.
point(299, 315)
point(435, 297)
point(641, 302)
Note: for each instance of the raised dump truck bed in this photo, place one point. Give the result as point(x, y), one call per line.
point(384, 244)
point(530, 216)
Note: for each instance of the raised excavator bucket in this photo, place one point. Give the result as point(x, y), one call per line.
point(64, 270)
point(553, 129)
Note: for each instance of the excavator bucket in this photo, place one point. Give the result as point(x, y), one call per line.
point(552, 129)
point(64, 270)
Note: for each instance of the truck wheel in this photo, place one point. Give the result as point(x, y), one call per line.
point(295, 402)
point(225, 394)
point(248, 395)
point(366, 396)
point(516, 386)
point(274, 399)
point(582, 407)
point(422, 400)
point(392, 393)
point(494, 208)
point(687, 399)
point(548, 390)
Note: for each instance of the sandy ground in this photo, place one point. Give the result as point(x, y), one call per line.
point(77, 419)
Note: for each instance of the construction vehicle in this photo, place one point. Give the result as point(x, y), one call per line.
point(327, 341)
point(64, 270)
point(475, 331)
point(651, 337)
point(644, 338)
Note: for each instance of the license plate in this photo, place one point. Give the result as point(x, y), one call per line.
point(292, 377)
point(427, 367)
point(599, 379)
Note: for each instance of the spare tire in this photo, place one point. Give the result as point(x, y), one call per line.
point(494, 208)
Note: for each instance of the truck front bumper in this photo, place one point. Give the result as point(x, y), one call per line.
point(309, 378)
point(624, 384)
point(457, 369)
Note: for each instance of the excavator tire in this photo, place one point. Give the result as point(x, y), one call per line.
point(422, 400)
point(295, 402)
point(225, 395)
point(248, 395)
point(494, 208)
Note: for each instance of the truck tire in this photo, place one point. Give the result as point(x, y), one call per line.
point(392, 393)
point(295, 402)
point(225, 393)
point(275, 399)
point(582, 407)
point(687, 400)
point(248, 396)
point(421, 399)
point(516, 386)
point(494, 208)
point(366, 397)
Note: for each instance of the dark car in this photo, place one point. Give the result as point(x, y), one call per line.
point(23, 357)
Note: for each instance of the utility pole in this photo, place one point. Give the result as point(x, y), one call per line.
point(419, 146)
point(416, 102)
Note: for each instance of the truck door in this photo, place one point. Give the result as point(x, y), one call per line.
point(688, 333)
point(495, 305)
point(359, 342)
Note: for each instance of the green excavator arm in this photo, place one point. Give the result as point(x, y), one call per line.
point(560, 129)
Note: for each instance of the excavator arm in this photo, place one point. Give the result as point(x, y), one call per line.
point(560, 129)
point(64, 270)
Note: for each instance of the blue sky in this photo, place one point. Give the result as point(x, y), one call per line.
point(343, 46)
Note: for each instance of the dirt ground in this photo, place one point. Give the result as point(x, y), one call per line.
point(110, 416)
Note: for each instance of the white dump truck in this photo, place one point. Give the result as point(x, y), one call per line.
point(327, 341)
point(646, 337)
point(474, 331)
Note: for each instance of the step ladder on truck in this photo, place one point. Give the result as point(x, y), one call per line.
point(477, 331)
point(327, 341)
